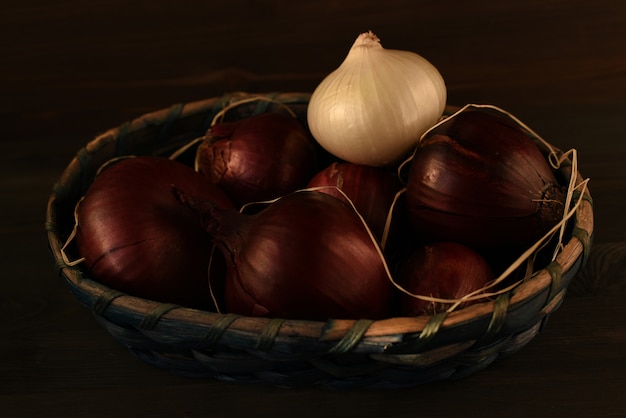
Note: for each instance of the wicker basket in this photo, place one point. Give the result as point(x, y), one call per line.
point(395, 352)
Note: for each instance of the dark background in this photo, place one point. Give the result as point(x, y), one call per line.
point(72, 69)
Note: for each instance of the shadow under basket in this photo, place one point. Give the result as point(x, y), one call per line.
point(389, 353)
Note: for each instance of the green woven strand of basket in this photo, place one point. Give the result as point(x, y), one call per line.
point(556, 284)
point(263, 105)
point(148, 322)
point(352, 336)
point(328, 362)
point(174, 113)
point(124, 143)
point(152, 318)
point(481, 353)
point(104, 300)
point(585, 239)
point(268, 335)
point(86, 155)
point(576, 194)
point(430, 330)
point(498, 317)
point(121, 138)
point(165, 123)
point(217, 329)
point(60, 191)
point(428, 333)
point(217, 107)
point(491, 343)
point(84, 161)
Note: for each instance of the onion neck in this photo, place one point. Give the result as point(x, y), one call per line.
point(225, 226)
point(551, 206)
point(367, 39)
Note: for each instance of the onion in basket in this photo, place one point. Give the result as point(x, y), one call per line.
point(441, 270)
point(136, 237)
point(257, 158)
point(305, 256)
point(372, 190)
point(478, 179)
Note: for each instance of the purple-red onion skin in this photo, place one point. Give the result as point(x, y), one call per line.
point(371, 189)
point(258, 158)
point(445, 270)
point(305, 256)
point(136, 236)
point(482, 182)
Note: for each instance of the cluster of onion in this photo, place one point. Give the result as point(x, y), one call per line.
point(148, 226)
point(303, 250)
point(314, 232)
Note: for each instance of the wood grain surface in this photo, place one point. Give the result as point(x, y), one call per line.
point(71, 70)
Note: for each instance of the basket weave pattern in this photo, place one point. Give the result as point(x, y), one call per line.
point(394, 352)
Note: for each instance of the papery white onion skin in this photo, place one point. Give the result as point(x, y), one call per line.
point(373, 109)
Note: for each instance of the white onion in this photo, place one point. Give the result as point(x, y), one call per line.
point(373, 109)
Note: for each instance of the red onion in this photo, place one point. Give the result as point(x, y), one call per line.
point(305, 256)
point(136, 237)
point(258, 158)
point(371, 189)
point(482, 181)
point(443, 270)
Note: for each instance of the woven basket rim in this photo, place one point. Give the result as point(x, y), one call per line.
point(574, 250)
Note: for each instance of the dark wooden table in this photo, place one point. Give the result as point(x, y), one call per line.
point(71, 70)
